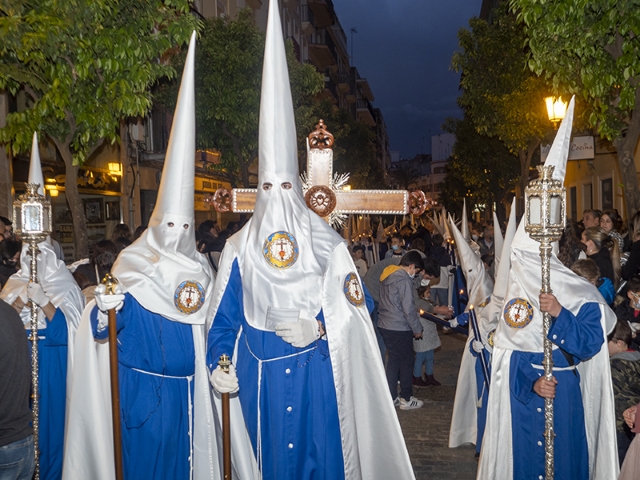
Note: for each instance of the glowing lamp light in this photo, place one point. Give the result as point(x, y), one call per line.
point(556, 109)
point(114, 168)
point(346, 188)
point(52, 189)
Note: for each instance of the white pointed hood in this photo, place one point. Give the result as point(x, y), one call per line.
point(497, 239)
point(283, 243)
point(464, 225)
point(479, 283)
point(162, 269)
point(35, 168)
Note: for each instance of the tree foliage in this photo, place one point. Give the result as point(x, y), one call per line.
point(481, 168)
point(84, 65)
point(228, 78)
point(501, 96)
point(591, 48)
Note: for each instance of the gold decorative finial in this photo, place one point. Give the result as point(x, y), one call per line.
point(224, 363)
point(110, 282)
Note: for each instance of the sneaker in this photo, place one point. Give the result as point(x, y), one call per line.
point(396, 402)
point(410, 404)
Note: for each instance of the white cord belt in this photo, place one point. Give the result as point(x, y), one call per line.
point(555, 369)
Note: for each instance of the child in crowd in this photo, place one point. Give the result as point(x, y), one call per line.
point(587, 268)
point(360, 263)
point(397, 246)
point(625, 378)
point(424, 347)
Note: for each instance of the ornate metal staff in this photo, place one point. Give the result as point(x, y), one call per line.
point(224, 364)
point(544, 216)
point(110, 284)
point(32, 216)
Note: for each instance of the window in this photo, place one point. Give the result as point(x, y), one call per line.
point(607, 193)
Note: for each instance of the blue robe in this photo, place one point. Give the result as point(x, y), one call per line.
point(581, 337)
point(156, 364)
point(298, 407)
point(52, 371)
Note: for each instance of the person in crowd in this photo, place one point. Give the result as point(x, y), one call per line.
point(211, 247)
point(603, 250)
point(6, 228)
point(609, 223)
point(588, 269)
point(397, 246)
point(102, 258)
point(625, 378)
point(570, 248)
point(225, 234)
point(16, 434)
point(166, 412)
point(139, 231)
point(629, 309)
point(424, 347)
point(399, 324)
point(406, 231)
point(9, 259)
point(209, 227)
point(486, 243)
point(487, 261)
point(291, 310)
point(632, 266)
point(121, 230)
point(591, 218)
point(631, 466)
point(423, 234)
point(440, 290)
point(360, 263)
point(121, 243)
point(233, 227)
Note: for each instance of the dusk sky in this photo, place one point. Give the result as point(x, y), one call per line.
point(404, 48)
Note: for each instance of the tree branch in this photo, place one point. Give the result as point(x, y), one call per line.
point(32, 93)
point(73, 68)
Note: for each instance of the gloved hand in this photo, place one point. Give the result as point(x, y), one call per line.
point(224, 382)
point(300, 333)
point(36, 294)
point(453, 323)
point(106, 302)
point(477, 346)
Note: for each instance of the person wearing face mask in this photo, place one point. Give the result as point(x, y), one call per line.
point(162, 301)
point(397, 246)
point(9, 258)
point(486, 244)
point(399, 323)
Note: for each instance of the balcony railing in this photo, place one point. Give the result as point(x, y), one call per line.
point(306, 14)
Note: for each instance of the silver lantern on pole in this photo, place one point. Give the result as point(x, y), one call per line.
point(544, 216)
point(32, 222)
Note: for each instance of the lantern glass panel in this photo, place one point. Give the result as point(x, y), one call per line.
point(17, 216)
point(535, 208)
point(555, 211)
point(31, 218)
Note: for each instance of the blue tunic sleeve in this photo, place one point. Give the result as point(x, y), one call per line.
point(104, 333)
point(463, 319)
point(226, 324)
point(579, 335)
point(522, 376)
point(56, 331)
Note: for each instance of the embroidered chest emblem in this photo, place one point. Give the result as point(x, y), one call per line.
point(518, 313)
point(280, 250)
point(353, 290)
point(189, 297)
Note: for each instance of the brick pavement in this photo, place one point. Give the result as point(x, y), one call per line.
point(426, 430)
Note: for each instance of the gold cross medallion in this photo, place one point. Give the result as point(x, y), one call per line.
point(189, 297)
point(518, 313)
point(353, 290)
point(280, 250)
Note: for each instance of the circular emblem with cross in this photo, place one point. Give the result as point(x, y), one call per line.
point(189, 297)
point(353, 290)
point(280, 250)
point(518, 313)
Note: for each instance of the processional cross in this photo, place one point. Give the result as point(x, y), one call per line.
point(323, 191)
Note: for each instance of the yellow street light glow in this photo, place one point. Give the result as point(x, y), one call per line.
point(556, 109)
point(114, 168)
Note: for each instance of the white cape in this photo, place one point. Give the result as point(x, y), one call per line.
point(372, 443)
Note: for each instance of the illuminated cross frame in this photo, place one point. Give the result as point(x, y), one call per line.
point(323, 191)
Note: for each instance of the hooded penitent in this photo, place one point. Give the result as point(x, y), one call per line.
point(286, 258)
point(165, 274)
point(521, 330)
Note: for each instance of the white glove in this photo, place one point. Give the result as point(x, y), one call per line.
point(36, 294)
point(453, 323)
point(106, 302)
point(477, 346)
point(224, 382)
point(299, 334)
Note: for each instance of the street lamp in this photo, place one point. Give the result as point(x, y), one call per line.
point(32, 217)
point(556, 109)
point(544, 217)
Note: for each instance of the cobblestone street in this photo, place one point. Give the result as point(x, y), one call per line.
point(426, 430)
